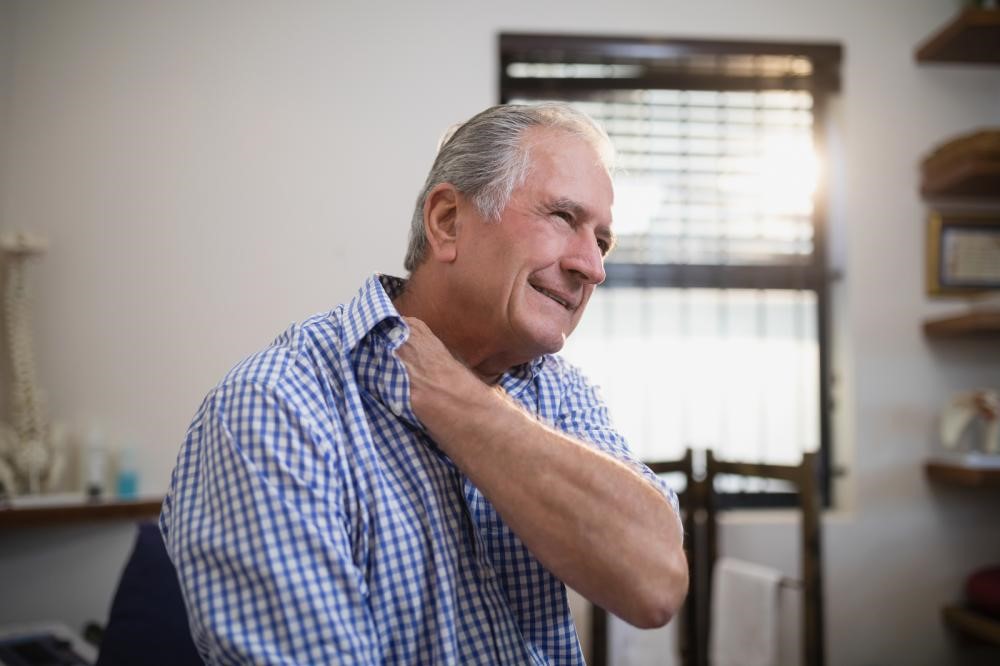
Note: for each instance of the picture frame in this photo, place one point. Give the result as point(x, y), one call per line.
point(963, 253)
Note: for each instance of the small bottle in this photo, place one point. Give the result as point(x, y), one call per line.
point(96, 464)
point(128, 474)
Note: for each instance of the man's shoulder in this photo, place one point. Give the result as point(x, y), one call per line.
point(303, 352)
point(311, 358)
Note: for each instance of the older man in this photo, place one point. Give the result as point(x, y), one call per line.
point(412, 477)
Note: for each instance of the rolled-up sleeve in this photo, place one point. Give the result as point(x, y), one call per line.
point(251, 522)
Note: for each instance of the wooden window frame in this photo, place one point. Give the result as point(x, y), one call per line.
point(822, 81)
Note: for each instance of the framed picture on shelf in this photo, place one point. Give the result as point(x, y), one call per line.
point(963, 253)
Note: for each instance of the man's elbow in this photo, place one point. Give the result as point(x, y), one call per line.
point(661, 600)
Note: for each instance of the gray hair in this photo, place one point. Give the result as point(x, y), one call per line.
point(485, 159)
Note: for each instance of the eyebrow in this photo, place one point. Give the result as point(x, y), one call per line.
point(580, 211)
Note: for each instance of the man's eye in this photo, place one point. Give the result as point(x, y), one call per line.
point(564, 215)
point(605, 246)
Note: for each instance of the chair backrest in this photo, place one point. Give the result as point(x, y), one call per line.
point(699, 506)
point(148, 622)
point(803, 478)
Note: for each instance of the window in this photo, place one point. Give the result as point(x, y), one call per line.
point(710, 331)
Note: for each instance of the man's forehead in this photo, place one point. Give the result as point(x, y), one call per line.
point(566, 152)
point(558, 140)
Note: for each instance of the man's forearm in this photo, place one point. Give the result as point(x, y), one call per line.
point(595, 523)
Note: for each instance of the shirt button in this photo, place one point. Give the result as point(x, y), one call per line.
point(396, 334)
point(396, 407)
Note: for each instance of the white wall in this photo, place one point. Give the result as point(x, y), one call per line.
point(6, 66)
point(209, 172)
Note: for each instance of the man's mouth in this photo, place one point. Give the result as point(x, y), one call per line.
point(555, 297)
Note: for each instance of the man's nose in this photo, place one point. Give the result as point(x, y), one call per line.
point(584, 259)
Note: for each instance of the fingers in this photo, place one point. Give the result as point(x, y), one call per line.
point(422, 349)
point(423, 341)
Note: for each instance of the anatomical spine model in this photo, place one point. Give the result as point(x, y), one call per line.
point(32, 452)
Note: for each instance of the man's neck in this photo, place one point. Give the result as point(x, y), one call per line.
point(420, 298)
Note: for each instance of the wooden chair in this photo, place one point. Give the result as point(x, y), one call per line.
point(699, 507)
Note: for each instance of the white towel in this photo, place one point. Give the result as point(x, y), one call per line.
point(744, 623)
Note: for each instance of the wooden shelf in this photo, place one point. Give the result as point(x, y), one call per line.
point(970, 623)
point(47, 515)
point(983, 324)
point(960, 475)
point(975, 177)
point(972, 37)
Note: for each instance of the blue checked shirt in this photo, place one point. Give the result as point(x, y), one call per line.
point(313, 521)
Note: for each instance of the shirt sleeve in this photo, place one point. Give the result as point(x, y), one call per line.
point(584, 415)
point(262, 553)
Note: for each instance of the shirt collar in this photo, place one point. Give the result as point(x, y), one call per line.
point(373, 305)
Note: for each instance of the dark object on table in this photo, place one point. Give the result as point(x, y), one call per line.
point(148, 622)
point(982, 591)
point(42, 649)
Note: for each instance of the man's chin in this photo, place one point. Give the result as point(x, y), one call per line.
point(550, 344)
point(541, 340)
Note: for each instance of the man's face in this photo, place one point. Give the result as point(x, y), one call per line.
point(524, 282)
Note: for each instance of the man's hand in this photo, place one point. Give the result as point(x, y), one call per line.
point(434, 372)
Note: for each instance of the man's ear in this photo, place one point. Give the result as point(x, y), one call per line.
point(441, 222)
